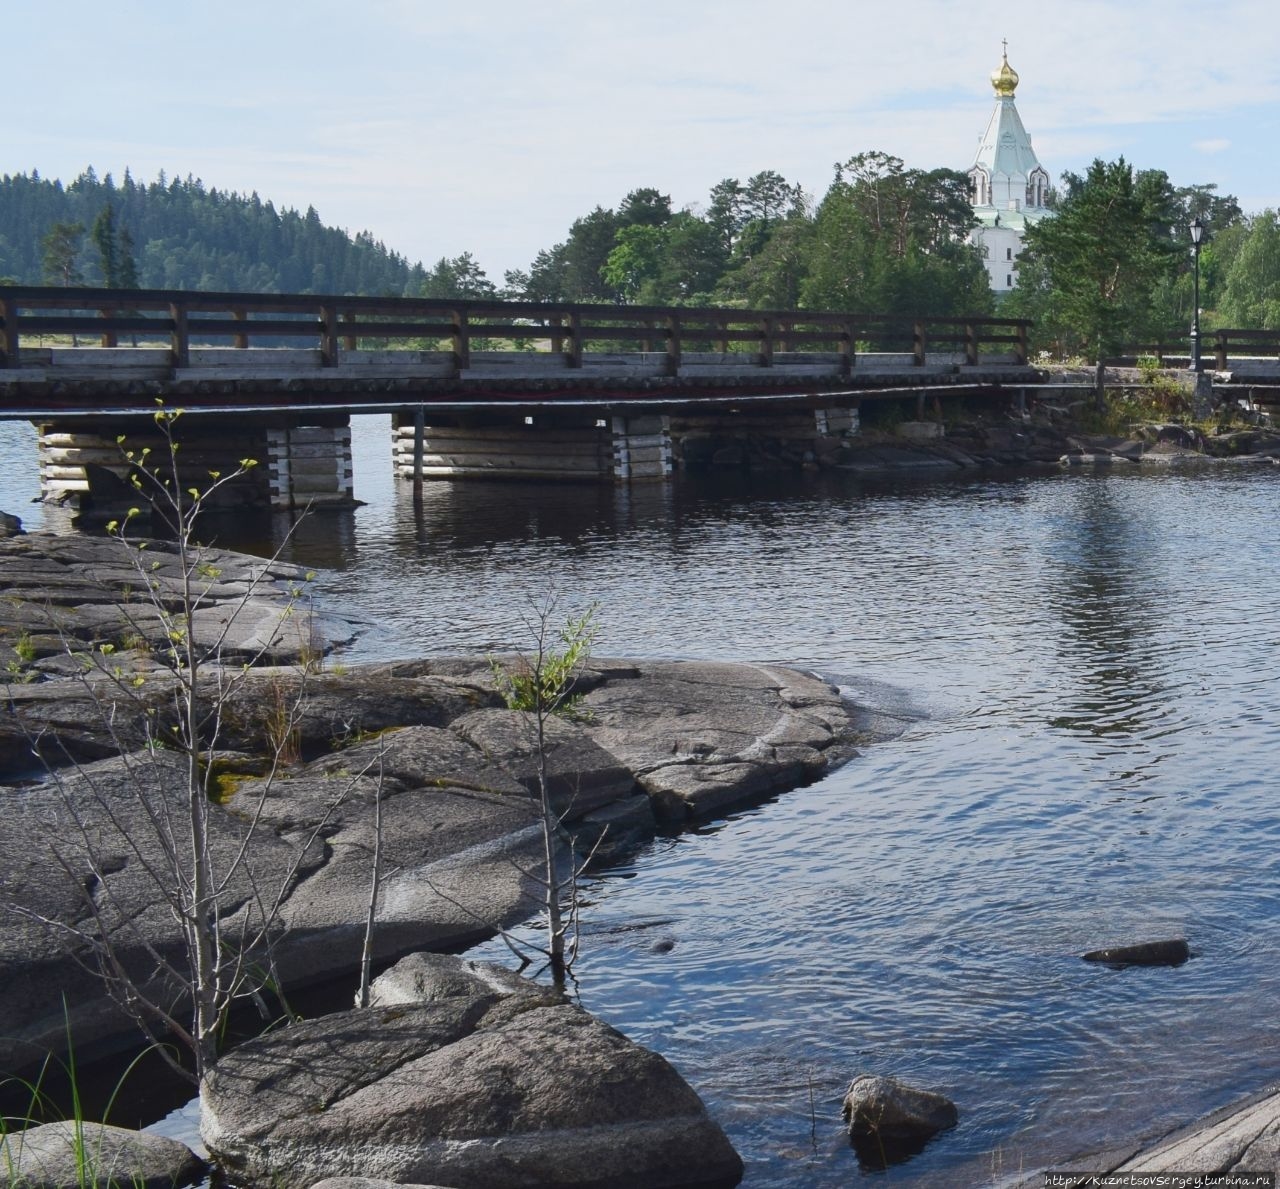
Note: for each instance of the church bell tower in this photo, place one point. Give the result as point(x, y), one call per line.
point(1010, 186)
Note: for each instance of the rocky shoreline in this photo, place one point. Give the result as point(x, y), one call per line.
point(658, 743)
point(429, 750)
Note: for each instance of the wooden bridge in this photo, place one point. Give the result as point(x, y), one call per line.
point(475, 387)
point(354, 351)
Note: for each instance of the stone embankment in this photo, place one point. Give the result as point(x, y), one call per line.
point(934, 448)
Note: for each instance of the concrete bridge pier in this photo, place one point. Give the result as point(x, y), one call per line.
point(299, 460)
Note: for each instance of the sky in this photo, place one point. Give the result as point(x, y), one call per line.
point(489, 127)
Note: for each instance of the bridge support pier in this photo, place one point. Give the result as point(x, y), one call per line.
point(296, 465)
point(836, 422)
point(556, 446)
point(309, 465)
point(641, 448)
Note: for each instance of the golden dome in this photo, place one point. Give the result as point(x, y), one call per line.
point(1004, 80)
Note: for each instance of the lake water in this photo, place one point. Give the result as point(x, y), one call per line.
point(1084, 667)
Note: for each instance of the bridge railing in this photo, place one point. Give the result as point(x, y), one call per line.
point(1223, 345)
point(1248, 343)
point(336, 324)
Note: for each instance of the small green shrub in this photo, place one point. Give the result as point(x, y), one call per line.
point(546, 683)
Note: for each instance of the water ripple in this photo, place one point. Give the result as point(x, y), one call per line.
point(1080, 672)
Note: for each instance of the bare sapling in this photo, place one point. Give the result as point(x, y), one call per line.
point(541, 684)
point(219, 875)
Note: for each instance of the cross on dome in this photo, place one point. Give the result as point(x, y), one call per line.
point(1004, 79)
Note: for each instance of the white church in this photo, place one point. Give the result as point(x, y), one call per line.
point(1010, 186)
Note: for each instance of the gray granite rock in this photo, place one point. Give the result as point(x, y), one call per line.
point(701, 736)
point(369, 1183)
point(890, 1110)
point(456, 773)
point(489, 1082)
point(94, 1156)
point(1242, 1137)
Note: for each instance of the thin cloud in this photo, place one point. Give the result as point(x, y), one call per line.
point(491, 128)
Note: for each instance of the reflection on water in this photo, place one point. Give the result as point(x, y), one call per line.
point(1109, 560)
point(1084, 667)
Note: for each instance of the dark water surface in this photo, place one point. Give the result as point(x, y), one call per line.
point(1085, 669)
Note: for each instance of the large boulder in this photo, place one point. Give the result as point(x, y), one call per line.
point(73, 1155)
point(581, 775)
point(89, 857)
point(463, 1074)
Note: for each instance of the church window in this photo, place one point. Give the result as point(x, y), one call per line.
point(1008, 281)
point(1008, 253)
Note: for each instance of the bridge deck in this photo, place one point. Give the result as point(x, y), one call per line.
point(210, 350)
point(87, 381)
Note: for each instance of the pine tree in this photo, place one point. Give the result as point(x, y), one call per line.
point(60, 254)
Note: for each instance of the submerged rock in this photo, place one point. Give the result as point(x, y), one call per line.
point(1172, 952)
point(93, 1156)
point(463, 1075)
point(890, 1121)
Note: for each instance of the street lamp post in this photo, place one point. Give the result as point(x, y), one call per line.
point(1197, 231)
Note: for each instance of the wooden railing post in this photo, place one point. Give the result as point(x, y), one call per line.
point(179, 339)
point(9, 334)
point(722, 344)
point(673, 345)
point(349, 331)
point(1020, 347)
point(1220, 347)
point(971, 344)
point(240, 341)
point(108, 336)
point(785, 326)
point(573, 357)
point(461, 340)
point(554, 323)
point(328, 336)
point(917, 345)
point(646, 344)
point(419, 450)
point(768, 328)
point(847, 348)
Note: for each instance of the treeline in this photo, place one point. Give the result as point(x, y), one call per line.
point(1114, 266)
point(180, 234)
point(884, 239)
point(1111, 268)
